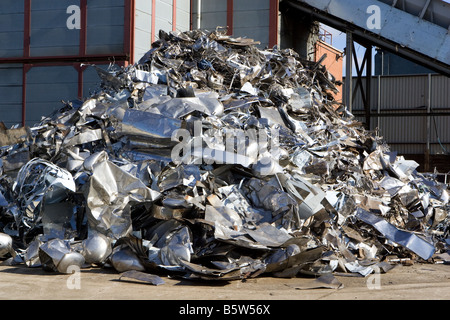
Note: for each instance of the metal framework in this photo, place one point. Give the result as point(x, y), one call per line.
point(425, 42)
point(430, 45)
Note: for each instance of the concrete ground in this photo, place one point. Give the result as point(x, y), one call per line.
point(416, 282)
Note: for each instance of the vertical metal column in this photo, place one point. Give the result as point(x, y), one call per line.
point(368, 93)
point(26, 54)
point(273, 23)
point(153, 31)
point(379, 102)
point(230, 16)
point(83, 30)
point(174, 15)
point(348, 70)
point(428, 151)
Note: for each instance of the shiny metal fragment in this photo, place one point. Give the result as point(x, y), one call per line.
point(142, 277)
point(124, 259)
point(6, 247)
point(57, 255)
point(96, 248)
point(409, 240)
point(327, 281)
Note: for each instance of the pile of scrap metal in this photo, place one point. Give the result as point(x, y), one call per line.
point(213, 159)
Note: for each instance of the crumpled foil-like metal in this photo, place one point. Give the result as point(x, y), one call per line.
point(214, 159)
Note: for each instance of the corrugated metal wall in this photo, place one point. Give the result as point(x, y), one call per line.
point(10, 93)
point(41, 56)
point(11, 28)
point(46, 87)
point(402, 97)
point(105, 27)
point(49, 35)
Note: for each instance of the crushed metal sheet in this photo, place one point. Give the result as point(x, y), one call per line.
point(411, 241)
point(327, 281)
point(142, 277)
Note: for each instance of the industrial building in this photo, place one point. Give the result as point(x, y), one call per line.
point(46, 47)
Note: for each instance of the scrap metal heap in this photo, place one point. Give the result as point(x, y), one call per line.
point(213, 159)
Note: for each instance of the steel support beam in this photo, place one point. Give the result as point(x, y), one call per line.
point(349, 71)
point(342, 20)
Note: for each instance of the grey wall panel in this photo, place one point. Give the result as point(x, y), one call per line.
point(255, 33)
point(211, 20)
point(213, 14)
point(105, 26)
point(142, 43)
point(438, 148)
point(440, 129)
point(46, 87)
point(143, 27)
point(163, 21)
point(211, 6)
point(49, 34)
point(406, 149)
point(251, 5)
point(251, 20)
point(11, 28)
point(183, 15)
point(403, 129)
point(406, 92)
point(143, 5)
point(408, 134)
point(440, 92)
point(91, 80)
point(11, 94)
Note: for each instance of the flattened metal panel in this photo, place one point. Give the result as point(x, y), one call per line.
point(49, 34)
point(105, 26)
point(46, 87)
point(11, 94)
point(11, 28)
